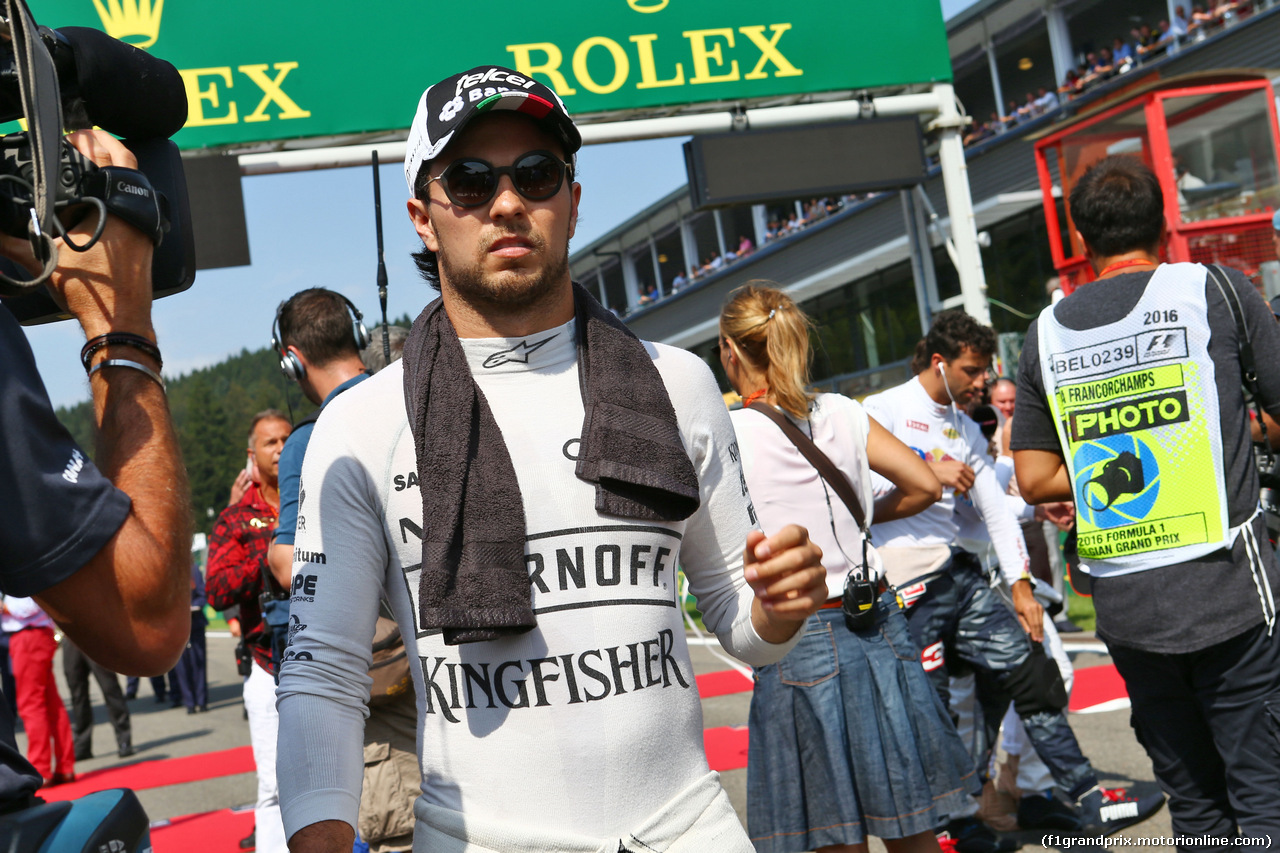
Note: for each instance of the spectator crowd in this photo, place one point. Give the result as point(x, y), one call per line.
point(1096, 65)
point(783, 222)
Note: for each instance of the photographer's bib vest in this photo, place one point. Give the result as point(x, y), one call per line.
point(1135, 404)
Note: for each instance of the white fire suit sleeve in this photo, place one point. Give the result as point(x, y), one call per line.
point(991, 502)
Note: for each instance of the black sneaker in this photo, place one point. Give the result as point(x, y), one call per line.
point(1036, 811)
point(1108, 810)
point(250, 841)
point(970, 835)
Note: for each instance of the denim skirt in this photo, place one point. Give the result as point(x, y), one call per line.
point(849, 739)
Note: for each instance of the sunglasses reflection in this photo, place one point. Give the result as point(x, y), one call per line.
point(471, 182)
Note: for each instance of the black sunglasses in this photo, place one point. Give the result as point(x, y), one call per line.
point(471, 182)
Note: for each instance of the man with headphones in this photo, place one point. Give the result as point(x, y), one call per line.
point(318, 335)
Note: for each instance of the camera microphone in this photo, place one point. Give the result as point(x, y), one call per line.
point(987, 421)
point(126, 91)
point(105, 83)
point(74, 79)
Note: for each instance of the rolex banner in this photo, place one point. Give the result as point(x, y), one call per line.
point(258, 70)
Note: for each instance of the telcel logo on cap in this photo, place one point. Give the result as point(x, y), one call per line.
point(471, 84)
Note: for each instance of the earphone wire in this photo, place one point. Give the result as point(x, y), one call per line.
point(863, 569)
point(992, 576)
point(955, 409)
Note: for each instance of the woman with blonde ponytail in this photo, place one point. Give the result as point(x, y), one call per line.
point(848, 738)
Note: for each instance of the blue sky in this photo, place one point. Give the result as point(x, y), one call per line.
point(316, 229)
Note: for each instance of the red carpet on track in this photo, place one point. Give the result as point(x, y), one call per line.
point(726, 747)
point(724, 683)
point(157, 774)
point(211, 831)
point(1096, 685)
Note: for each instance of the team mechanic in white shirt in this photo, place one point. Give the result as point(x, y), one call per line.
point(585, 732)
point(951, 603)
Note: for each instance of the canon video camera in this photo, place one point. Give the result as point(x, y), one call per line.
point(100, 82)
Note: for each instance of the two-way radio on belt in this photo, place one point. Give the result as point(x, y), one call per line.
point(382, 263)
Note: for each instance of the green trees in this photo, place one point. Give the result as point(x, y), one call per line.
point(212, 409)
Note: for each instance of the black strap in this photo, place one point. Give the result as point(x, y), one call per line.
point(128, 194)
point(42, 107)
point(826, 469)
point(1248, 366)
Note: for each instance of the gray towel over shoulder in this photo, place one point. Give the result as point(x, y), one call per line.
point(474, 584)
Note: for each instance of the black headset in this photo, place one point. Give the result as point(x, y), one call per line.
point(290, 365)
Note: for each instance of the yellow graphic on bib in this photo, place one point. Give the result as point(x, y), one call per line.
point(1138, 447)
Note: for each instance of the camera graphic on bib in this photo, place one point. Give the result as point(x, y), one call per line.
point(1117, 480)
point(1120, 476)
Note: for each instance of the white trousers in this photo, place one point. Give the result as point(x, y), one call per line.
point(700, 819)
point(264, 723)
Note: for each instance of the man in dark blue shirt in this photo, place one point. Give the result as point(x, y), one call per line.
point(319, 335)
point(103, 548)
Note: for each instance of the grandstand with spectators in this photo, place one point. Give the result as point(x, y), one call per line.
point(848, 260)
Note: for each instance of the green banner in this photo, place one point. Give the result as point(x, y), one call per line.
point(270, 70)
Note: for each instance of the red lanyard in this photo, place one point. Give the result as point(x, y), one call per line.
point(1119, 265)
point(753, 396)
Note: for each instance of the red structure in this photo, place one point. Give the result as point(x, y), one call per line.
point(1211, 139)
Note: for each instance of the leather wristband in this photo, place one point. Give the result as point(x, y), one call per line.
point(126, 339)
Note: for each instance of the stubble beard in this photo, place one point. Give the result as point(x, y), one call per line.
point(508, 291)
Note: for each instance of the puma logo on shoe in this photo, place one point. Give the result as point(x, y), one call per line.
point(1118, 811)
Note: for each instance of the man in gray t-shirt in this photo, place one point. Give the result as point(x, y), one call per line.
point(1193, 638)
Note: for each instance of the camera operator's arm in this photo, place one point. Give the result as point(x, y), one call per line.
point(130, 603)
point(280, 555)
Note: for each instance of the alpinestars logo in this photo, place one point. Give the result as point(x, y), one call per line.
point(518, 354)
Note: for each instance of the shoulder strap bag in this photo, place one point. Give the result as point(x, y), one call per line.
point(860, 590)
